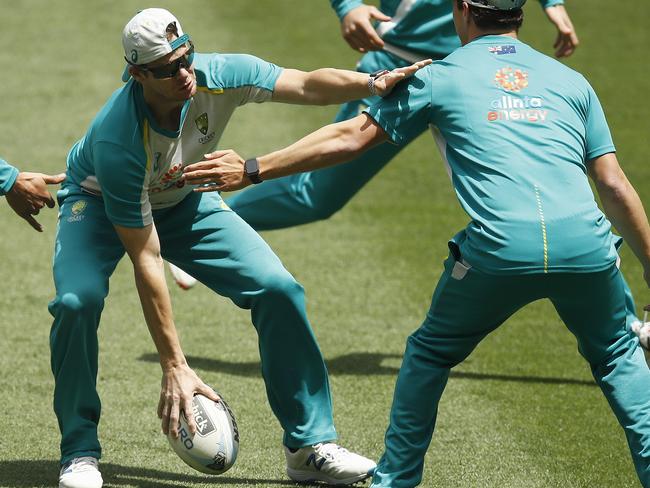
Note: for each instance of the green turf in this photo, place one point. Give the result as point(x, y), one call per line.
point(521, 412)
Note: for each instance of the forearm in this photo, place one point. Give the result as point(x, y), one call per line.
point(624, 209)
point(330, 145)
point(143, 247)
point(8, 175)
point(325, 86)
point(156, 307)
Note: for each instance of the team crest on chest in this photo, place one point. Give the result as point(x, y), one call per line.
point(202, 123)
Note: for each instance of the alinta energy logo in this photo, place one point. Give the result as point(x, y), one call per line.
point(513, 80)
point(515, 107)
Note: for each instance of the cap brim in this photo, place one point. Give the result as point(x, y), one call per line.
point(175, 44)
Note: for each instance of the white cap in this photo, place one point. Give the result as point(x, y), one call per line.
point(145, 37)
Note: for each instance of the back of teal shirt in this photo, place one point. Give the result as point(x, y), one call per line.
point(516, 129)
point(424, 28)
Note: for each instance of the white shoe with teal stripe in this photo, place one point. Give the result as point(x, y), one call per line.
point(81, 472)
point(328, 463)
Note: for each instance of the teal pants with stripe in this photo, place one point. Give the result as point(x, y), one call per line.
point(206, 239)
point(466, 306)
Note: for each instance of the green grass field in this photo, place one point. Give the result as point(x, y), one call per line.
point(522, 411)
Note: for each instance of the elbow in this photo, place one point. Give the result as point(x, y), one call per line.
point(614, 187)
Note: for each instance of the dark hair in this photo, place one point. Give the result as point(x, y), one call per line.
point(490, 19)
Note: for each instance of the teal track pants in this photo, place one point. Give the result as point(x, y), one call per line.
point(592, 306)
point(206, 239)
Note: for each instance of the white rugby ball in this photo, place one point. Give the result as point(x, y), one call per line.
point(214, 447)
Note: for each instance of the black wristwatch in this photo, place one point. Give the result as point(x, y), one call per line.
point(252, 170)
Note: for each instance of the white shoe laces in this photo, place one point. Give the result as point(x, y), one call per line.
point(77, 465)
point(331, 451)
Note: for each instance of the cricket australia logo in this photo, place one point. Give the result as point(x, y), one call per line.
point(512, 80)
point(202, 123)
point(77, 209)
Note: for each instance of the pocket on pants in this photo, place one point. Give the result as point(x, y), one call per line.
point(461, 267)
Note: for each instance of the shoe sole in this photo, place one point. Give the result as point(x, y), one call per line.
point(311, 477)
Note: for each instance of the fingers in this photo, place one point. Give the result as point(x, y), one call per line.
point(32, 221)
point(372, 40)
point(216, 154)
point(209, 188)
point(377, 14)
point(210, 393)
point(161, 406)
point(54, 179)
point(49, 201)
point(189, 414)
point(174, 419)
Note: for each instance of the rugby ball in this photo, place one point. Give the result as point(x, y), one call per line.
point(214, 447)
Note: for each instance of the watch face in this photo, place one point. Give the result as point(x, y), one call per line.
point(251, 166)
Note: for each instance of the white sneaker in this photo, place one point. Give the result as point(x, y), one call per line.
point(642, 331)
point(328, 462)
point(182, 279)
point(81, 472)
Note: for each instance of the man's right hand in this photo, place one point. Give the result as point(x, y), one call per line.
point(178, 386)
point(357, 29)
point(29, 195)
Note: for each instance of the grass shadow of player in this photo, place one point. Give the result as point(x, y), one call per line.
point(38, 472)
point(363, 363)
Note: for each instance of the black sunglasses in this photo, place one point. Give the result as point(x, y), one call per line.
point(169, 70)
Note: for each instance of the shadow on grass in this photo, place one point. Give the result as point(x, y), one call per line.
point(362, 363)
point(34, 473)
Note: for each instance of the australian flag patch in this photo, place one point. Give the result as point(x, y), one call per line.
point(507, 49)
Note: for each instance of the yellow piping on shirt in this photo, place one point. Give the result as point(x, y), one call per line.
point(540, 211)
point(213, 91)
point(145, 141)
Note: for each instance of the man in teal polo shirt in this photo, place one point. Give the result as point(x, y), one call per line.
point(27, 193)
point(408, 31)
point(124, 193)
point(519, 132)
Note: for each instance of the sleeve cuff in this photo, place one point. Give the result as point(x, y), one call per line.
point(551, 3)
point(600, 151)
point(388, 128)
point(8, 183)
point(342, 7)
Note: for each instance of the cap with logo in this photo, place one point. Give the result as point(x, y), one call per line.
point(145, 37)
point(497, 4)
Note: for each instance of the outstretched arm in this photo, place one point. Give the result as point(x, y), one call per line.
point(623, 207)
point(27, 193)
point(567, 39)
point(328, 86)
point(332, 144)
point(179, 382)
